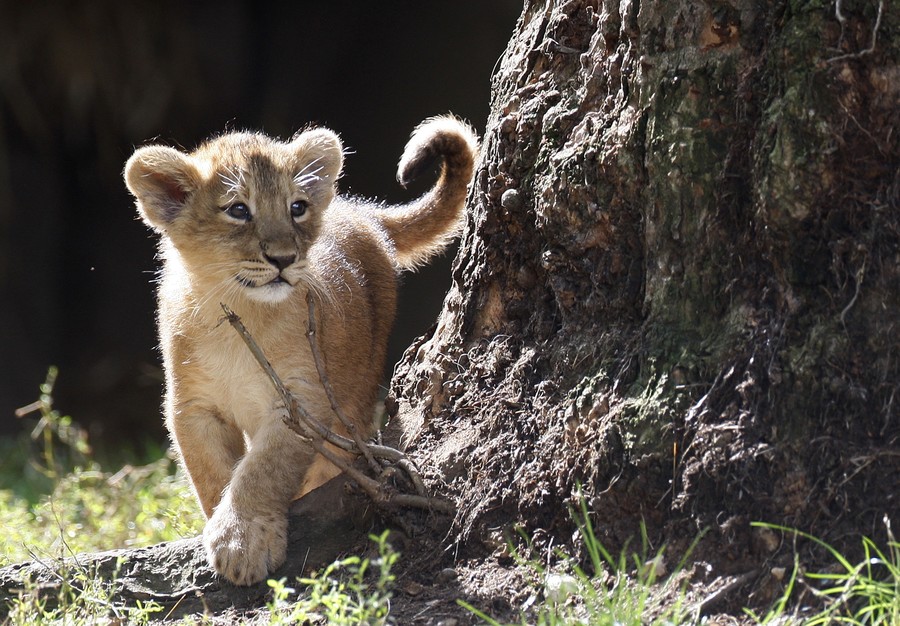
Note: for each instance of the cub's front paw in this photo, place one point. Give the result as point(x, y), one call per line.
point(245, 548)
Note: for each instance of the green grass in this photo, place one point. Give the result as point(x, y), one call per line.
point(56, 500)
point(91, 510)
point(83, 598)
point(627, 590)
point(346, 593)
point(860, 594)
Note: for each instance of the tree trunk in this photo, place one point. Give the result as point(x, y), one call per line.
point(678, 284)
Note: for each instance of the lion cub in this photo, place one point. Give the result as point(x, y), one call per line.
point(254, 223)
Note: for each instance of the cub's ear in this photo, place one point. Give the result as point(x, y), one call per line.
point(161, 179)
point(320, 155)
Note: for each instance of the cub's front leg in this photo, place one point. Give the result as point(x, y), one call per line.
point(209, 446)
point(246, 537)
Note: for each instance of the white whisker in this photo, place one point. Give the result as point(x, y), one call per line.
point(234, 180)
point(305, 177)
point(323, 290)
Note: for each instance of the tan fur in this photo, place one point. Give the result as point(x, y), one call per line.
point(222, 412)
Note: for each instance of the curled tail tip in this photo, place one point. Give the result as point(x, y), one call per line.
point(443, 136)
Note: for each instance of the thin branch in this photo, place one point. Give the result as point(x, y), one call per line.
point(412, 471)
point(839, 16)
point(310, 429)
point(309, 426)
point(860, 275)
point(719, 594)
point(326, 384)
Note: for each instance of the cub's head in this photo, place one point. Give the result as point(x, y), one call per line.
point(243, 209)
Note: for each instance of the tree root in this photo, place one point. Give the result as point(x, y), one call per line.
point(379, 458)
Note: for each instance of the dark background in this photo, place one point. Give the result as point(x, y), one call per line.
point(83, 83)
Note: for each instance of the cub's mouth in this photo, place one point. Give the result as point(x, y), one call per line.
point(252, 284)
point(270, 284)
point(271, 292)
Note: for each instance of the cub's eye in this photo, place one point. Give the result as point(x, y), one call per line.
point(238, 211)
point(298, 208)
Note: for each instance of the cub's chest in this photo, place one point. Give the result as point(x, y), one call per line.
point(228, 377)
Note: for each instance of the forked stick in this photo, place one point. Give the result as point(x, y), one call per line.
point(329, 391)
point(310, 429)
point(370, 451)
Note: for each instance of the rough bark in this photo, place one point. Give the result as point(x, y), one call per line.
point(678, 284)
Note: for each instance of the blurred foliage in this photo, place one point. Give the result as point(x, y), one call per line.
point(56, 499)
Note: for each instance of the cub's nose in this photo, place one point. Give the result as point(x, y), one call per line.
point(281, 261)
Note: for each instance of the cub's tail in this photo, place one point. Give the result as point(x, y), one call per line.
point(425, 226)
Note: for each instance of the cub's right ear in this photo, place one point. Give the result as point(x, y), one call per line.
point(162, 179)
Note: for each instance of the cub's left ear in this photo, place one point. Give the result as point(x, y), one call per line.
point(320, 154)
point(162, 180)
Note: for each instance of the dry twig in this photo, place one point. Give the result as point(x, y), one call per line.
point(310, 429)
point(839, 16)
point(326, 384)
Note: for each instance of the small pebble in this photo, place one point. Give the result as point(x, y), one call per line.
point(446, 575)
point(558, 587)
point(511, 199)
point(655, 567)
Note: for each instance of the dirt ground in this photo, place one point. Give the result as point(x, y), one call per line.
point(431, 581)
